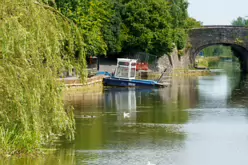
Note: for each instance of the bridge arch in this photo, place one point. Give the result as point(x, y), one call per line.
point(233, 36)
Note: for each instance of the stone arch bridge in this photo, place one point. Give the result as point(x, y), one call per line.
point(234, 36)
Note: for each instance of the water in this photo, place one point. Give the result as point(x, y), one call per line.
point(200, 120)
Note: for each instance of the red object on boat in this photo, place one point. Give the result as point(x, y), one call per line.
point(141, 66)
point(144, 66)
point(137, 66)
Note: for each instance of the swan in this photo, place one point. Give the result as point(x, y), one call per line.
point(149, 163)
point(126, 115)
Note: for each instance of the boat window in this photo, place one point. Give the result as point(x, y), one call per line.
point(133, 73)
point(126, 69)
point(124, 63)
point(121, 72)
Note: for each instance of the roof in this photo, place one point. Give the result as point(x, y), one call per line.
point(126, 60)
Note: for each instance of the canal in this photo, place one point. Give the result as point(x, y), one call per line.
point(198, 120)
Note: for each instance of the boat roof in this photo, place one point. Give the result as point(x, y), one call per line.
point(126, 60)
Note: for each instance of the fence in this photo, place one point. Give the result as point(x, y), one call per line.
point(146, 61)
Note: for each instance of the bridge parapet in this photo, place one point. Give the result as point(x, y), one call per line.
point(234, 36)
point(219, 27)
point(213, 35)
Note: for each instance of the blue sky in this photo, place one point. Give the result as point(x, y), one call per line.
point(217, 12)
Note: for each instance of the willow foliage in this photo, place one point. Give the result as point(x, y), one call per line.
point(90, 16)
point(35, 43)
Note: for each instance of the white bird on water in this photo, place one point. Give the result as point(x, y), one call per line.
point(149, 163)
point(126, 115)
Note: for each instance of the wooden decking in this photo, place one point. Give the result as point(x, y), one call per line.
point(76, 82)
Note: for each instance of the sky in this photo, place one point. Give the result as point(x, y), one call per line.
point(217, 12)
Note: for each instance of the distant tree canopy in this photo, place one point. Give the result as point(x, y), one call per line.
point(240, 21)
point(114, 26)
point(217, 50)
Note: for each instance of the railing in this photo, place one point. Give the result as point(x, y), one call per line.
point(145, 60)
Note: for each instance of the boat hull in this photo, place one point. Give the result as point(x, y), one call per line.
point(110, 81)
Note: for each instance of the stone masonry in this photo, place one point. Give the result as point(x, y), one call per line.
point(200, 38)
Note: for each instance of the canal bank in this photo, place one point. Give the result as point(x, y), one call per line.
point(74, 84)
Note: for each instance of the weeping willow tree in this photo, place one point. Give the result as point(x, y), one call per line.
point(36, 42)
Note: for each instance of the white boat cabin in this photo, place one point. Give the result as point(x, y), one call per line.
point(126, 68)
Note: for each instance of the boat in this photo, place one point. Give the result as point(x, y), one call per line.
point(124, 76)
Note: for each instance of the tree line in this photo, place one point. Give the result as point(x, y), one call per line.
point(123, 26)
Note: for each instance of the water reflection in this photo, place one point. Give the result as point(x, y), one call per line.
point(123, 101)
point(214, 87)
point(214, 91)
point(195, 121)
point(153, 105)
point(239, 97)
point(59, 157)
point(86, 105)
point(217, 130)
point(154, 121)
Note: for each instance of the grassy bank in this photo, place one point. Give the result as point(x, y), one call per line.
point(148, 75)
point(84, 88)
point(204, 62)
point(191, 72)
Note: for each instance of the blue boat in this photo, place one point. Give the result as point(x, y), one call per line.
point(124, 76)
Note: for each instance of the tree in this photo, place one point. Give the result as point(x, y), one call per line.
point(148, 25)
point(114, 31)
point(36, 42)
point(156, 26)
point(217, 50)
point(90, 17)
point(179, 12)
point(240, 21)
point(114, 26)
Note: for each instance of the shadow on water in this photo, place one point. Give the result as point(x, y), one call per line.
point(239, 97)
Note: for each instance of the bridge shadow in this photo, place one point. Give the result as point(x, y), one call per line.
point(239, 97)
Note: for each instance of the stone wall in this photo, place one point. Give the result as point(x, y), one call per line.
point(173, 61)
